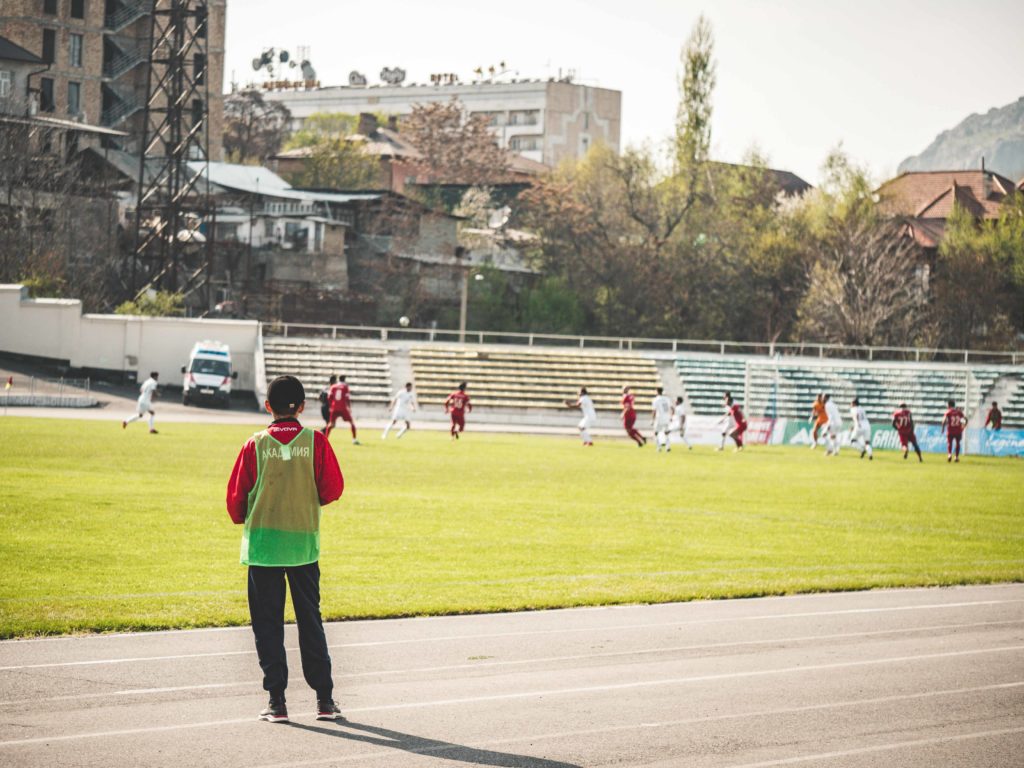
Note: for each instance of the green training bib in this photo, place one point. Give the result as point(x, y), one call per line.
point(282, 526)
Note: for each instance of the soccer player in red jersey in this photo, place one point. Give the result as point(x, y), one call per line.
point(629, 417)
point(339, 397)
point(457, 406)
point(953, 422)
point(903, 423)
point(994, 417)
point(734, 414)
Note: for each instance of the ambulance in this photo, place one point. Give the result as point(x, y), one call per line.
point(208, 375)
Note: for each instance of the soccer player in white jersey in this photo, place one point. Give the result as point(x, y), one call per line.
point(678, 423)
point(832, 426)
point(403, 403)
point(860, 432)
point(661, 417)
point(146, 394)
point(586, 406)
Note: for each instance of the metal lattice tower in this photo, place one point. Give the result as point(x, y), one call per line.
point(168, 252)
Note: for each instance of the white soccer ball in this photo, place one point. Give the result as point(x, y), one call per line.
point(403, 321)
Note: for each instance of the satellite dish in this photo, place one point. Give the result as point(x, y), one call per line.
point(283, 57)
point(356, 78)
point(257, 63)
point(309, 73)
point(498, 218)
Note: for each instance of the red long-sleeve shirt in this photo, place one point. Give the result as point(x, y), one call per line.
point(329, 481)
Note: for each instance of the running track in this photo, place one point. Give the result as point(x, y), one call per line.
point(931, 677)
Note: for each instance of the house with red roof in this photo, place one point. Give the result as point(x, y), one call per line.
point(927, 198)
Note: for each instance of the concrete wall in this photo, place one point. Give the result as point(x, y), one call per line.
point(56, 329)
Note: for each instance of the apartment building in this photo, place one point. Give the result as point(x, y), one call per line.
point(543, 120)
point(95, 55)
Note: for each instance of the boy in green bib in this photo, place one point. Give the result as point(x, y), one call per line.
point(281, 479)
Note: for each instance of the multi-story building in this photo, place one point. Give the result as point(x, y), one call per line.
point(97, 54)
point(543, 120)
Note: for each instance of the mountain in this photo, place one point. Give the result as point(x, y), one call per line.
point(998, 136)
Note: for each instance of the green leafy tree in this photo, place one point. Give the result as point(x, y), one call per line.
point(157, 304)
point(335, 158)
point(977, 287)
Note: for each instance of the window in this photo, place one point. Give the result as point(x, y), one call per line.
point(6, 76)
point(49, 45)
point(524, 143)
point(77, 9)
point(201, 21)
point(197, 111)
point(74, 50)
point(46, 95)
point(524, 117)
point(50, 7)
point(586, 121)
point(74, 98)
point(199, 68)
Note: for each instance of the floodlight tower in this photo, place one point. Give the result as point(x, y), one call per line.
point(169, 252)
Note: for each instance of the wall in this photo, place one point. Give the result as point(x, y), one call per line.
point(56, 329)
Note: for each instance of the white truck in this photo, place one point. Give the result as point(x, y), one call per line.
point(208, 375)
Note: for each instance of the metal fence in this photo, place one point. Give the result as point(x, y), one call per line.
point(636, 343)
point(39, 391)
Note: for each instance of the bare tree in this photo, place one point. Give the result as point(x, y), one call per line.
point(58, 231)
point(863, 287)
point(254, 128)
point(456, 147)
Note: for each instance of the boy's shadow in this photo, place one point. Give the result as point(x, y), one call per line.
point(419, 745)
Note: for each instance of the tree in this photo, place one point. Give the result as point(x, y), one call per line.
point(254, 128)
point(154, 304)
point(58, 225)
point(455, 147)
point(978, 279)
point(693, 116)
point(335, 158)
point(863, 275)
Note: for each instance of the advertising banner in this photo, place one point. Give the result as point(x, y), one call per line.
point(998, 442)
point(707, 430)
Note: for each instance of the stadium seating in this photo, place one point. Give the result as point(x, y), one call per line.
point(786, 387)
point(1012, 408)
point(532, 378)
point(314, 360)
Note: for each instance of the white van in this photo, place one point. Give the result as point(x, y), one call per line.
point(208, 375)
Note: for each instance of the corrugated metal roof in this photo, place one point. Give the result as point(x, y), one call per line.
point(257, 180)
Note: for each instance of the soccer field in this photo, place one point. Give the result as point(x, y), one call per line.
point(104, 529)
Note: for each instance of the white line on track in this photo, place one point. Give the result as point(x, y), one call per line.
point(517, 614)
point(667, 724)
point(523, 633)
point(549, 692)
point(883, 748)
point(540, 660)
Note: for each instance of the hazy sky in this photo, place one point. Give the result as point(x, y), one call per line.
point(795, 77)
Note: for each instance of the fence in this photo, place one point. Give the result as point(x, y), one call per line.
point(796, 349)
point(38, 391)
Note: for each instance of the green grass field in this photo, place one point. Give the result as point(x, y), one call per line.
point(104, 529)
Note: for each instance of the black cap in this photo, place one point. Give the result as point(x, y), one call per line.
point(286, 394)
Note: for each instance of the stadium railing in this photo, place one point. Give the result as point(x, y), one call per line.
point(637, 343)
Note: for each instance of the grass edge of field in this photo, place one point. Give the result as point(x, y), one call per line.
point(121, 627)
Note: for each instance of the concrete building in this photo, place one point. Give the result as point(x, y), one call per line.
point(95, 56)
point(543, 120)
